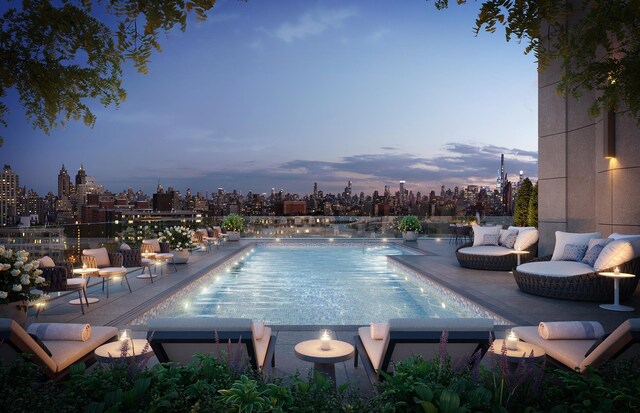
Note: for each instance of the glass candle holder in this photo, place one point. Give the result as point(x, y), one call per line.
point(511, 340)
point(616, 271)
point(124, 336)
point(325, 339)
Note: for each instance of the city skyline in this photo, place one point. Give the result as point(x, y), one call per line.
point(284, 95)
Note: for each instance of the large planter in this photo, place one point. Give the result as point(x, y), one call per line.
point(181, 257)
point(12, 311)
point(233, 236)
point(410, 235)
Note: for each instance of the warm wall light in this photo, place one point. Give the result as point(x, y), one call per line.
point(609, 138)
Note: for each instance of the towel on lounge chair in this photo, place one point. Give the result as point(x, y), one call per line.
point(379, 330)
point(58, 331)
point(571, 330)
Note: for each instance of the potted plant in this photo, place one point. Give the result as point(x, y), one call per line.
point(410, 226)
point(233, 224)
point(180, 241)
point(19, 280)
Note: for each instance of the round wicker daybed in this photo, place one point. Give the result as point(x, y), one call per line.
point(582, 287)
point(504, 262)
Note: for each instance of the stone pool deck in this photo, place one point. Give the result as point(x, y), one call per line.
point(496, 291)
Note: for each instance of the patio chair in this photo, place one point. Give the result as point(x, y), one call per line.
point(577, 354)
point(177, 340)
point(59, 278)
point(108, 264)
point(55, 356)
point(161, 251)
point(132, 258)
point(421, 336)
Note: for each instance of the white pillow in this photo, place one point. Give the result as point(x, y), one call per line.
point(616, 253)
point(576, 238)
point(526, 238)
point(258, 329)
point(479, 233)
point(504, 233)
point(46, 261)
point(379, 330)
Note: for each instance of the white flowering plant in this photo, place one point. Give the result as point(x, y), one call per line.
point(19, 278)
point(178, 237)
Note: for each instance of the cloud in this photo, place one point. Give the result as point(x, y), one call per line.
point(313, 23)
point(377, 35)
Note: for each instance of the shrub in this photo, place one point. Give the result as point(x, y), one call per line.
point(410, 223)
point(233, 222)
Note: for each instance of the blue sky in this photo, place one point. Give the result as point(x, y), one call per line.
point(286, 93)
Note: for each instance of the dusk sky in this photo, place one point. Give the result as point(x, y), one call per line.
point(286, 93)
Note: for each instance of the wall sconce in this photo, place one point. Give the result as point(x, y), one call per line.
point(609, 138)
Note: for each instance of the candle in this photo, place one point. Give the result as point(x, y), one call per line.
point(84, 266)
point(512, 341)
point(616, 271)
point(325, 340)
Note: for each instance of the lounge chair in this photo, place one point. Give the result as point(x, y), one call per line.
point(577, 355)
point(179, 339)
point(493, 254)
point(421, 336)
point(14, 340)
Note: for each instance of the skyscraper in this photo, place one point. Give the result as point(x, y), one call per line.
point(64, 183)
point(81, 176)
point(8, 196)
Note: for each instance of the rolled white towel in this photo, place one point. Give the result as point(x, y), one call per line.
point(258, 330)
point(60, 331)
point(568, 330)
point(379, 330)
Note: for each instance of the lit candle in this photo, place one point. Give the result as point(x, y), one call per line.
point(616, 271)
point(84, 266)
point(512, 341)
point(325, 339)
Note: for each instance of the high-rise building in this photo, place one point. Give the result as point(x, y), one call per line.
point(8, 196)
point(81, 176)
point(315, 189)
point(402, 188)
point(64, 183)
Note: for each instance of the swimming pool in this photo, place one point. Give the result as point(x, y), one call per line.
point(315, 284)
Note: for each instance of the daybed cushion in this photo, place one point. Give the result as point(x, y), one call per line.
point(526, 238)
point(100, 254)
point(489, 250)
point(479, 233)
point(617, 252)
point(555, 268)
point(564, 238)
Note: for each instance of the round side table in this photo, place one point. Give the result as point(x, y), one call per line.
point(616, 291)
point(112, 353)
point(324, 361)
point(522, 353)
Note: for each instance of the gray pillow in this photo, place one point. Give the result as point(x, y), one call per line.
point(592, 254)
point(573, 252)
point(510, 241)
point(491, 239)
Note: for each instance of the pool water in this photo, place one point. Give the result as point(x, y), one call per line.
point(321, 284)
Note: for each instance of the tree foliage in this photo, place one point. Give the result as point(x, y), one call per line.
point(532, 213)
point(59, 55)
point(521, 210)
point(599, 51)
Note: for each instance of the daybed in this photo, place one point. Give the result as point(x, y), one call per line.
point(554, 277)
point(495, 252)
point(179, 339)
point(578, 354)
point(14, 340)
point(403, 337)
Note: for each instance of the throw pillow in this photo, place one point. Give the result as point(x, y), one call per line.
point(46, 262)
point(564, 238)
point(617, 253)
point(526, 238)
point(504, 233)
point(491, 239)
point(592, 254)
point(479, 233)
point(510, 241)
point(573, 252)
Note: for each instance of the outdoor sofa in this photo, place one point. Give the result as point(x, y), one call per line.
point(557, 276)
point(401, 338)
point(178, 340)
point(493, 248)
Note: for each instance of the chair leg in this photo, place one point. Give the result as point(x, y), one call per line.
point(273, 359)
point(174, 265)
point(127, 280)
point(81, 304)
point(86, 300)
point(108, 279)
point(355, 359)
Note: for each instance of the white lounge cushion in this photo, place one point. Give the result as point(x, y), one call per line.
point(154, 243)
point(571, 353)
point(100, 254)
point(375, 348)
point(527, 236)
point(261, 346)
point(46, 262)
point(576, 238)
point(489, 250)
point(555, 268)
point(479, 233)
point(617, 252)
point(112, 271)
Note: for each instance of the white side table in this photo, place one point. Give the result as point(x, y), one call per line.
point(84, 272)
point(519, 253)
point(616, 291)
point(324, 361)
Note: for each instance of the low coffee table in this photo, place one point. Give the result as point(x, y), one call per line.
point(324, 361)
point(112, 353)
